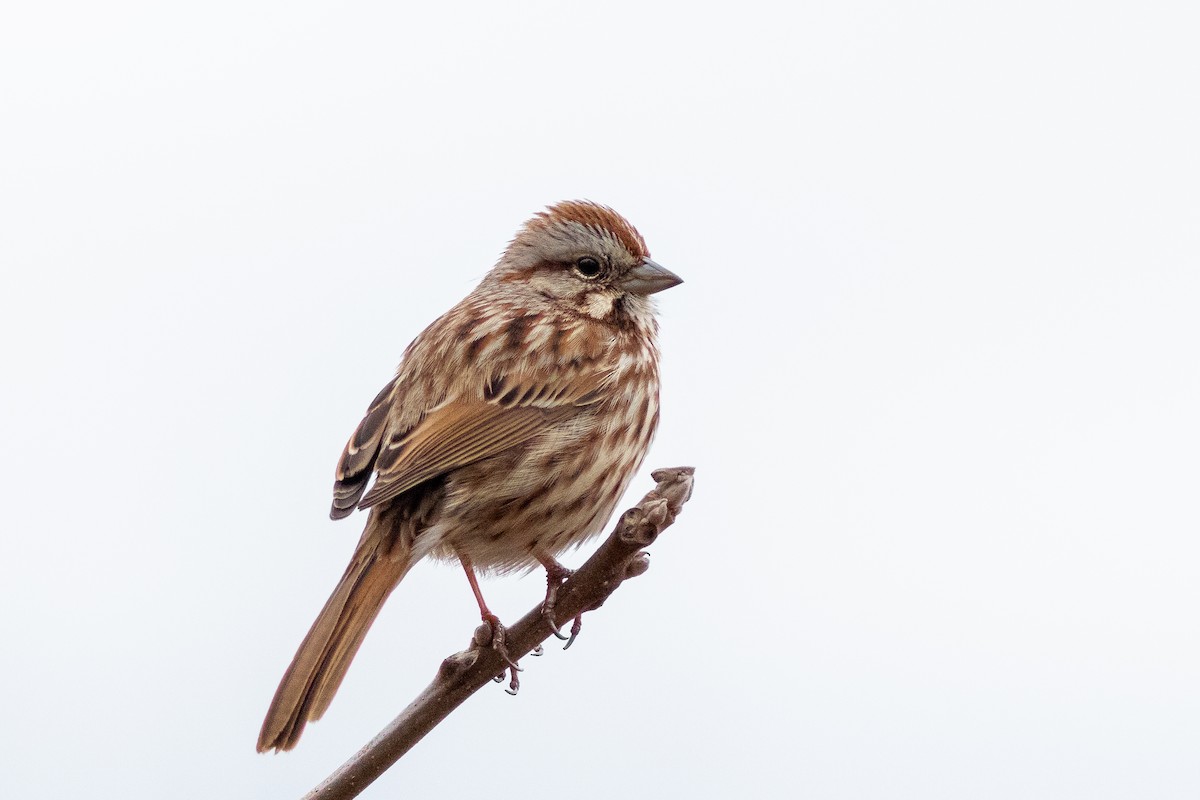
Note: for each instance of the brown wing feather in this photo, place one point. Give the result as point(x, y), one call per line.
point(509, 413)
point(453, 436)
point(358, 459)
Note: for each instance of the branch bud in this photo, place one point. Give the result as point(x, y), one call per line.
point(637, 565)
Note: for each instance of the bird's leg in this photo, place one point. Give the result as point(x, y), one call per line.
point(498, 629)
point(556, 575)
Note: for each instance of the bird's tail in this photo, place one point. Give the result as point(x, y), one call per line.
point(325, 654)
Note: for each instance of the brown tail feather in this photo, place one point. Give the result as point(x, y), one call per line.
point(325, 654)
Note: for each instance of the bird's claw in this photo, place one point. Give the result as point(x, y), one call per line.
point(576, 626)
point(548, 615)
point(499, 644)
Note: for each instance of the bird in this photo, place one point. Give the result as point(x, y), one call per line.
point(509, 432)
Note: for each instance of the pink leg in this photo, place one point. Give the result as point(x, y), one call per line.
point(498, 630)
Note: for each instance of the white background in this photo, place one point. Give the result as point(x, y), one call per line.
point(936, 360)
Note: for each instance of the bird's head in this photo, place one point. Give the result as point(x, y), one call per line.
point(585, 258)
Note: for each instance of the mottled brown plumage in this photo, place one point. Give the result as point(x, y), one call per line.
point(512, 428)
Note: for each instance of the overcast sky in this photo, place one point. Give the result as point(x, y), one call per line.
point(936, 361)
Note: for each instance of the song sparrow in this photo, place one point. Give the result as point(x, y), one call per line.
point(512, 428)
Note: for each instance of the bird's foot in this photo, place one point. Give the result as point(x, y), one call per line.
point(498, 643)
point(556, 576)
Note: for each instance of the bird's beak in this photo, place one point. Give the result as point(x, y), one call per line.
point(648, 278)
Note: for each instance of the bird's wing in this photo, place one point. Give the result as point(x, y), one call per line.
point(357, 463)
point(508, 413)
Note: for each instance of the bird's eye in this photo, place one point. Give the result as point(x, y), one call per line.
point(588, 267)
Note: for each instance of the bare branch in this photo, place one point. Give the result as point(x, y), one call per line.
point(462, 674)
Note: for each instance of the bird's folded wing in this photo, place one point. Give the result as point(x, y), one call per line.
point(453, 436)
point(461, 432)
